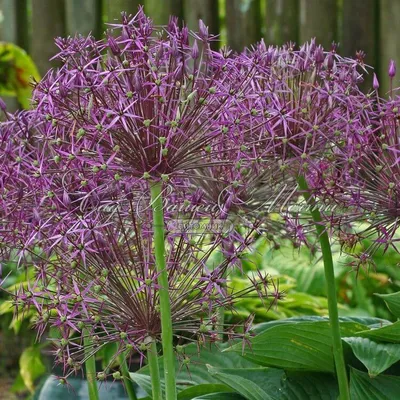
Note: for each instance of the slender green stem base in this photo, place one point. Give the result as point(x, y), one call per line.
point(90, 368)
point(331, 291)
point(130, 389)
point(154, 371)
point(165, 306)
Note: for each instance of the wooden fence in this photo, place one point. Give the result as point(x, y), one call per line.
point(370, 25)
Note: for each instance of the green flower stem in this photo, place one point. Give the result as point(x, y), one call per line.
point(130, 389)
point(221, 310)
point(331, 291)
point(165, 306)
point(90, 367)
point(154, 371)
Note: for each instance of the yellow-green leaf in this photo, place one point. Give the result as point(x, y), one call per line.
point(16, 72)
point(31, 366)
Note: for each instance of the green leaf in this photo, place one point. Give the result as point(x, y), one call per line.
point(388, 333)
point(306, 386)
point(392, 301)
point(201, 390)
point(220, 396)
point(300, 264)
point(299, 346)
point(271, 383)
point(18, 385)
point(383, 387)
point(144, 381)
point(16, 70)
point(31, 366)
point(376, 357)
point(197, 373)
point(241, 381)
point(367, 321)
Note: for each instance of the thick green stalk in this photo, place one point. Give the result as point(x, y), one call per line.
point(130, 389)
point(331, 291)
point(154, 371)
point(221, 310)
point(90, 368)
point(165, 306)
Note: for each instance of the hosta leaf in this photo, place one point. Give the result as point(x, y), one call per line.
point(242, 385)
point(271, 383)
point(220, 396)
point(392, 301)
point(201, 390)
point(377, 357)
point(197, 373)
point(383, 387)
point(31, 366)
point(388, 333)
point(363, 321)
point(299, 346)
point(144, 381)
point(309, 386)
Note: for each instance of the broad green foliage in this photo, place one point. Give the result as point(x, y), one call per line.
point(376, 357)
point(205, 389)
point(389, 333)
point(367, 321)
point(217, 375)
point(196, 372)
point(220, 396)
point(16, 72)
point(253, 383)
point(270, 383)
point(383, 387)
point(301, 275)
point(392, 301)
point(296, 346)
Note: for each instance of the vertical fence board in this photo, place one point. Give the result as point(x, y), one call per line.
point(360, 30)
point(115, 7)
point(48, 22)
point(243, 23)
point(389, 41)
point(318, 18)
point(84, 17)
point(160, 14)
point(14, 29)
point(282, 21)
point(206, 10)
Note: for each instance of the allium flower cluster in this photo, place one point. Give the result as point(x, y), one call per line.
point(139, 107)
point(227, 135)
point(145, 103)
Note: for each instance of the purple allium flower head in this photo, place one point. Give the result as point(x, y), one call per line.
point(104, 282)
point(76, 171)
point(361, 180)
point(149, 102)
point(304, 100)
point(392, 69)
